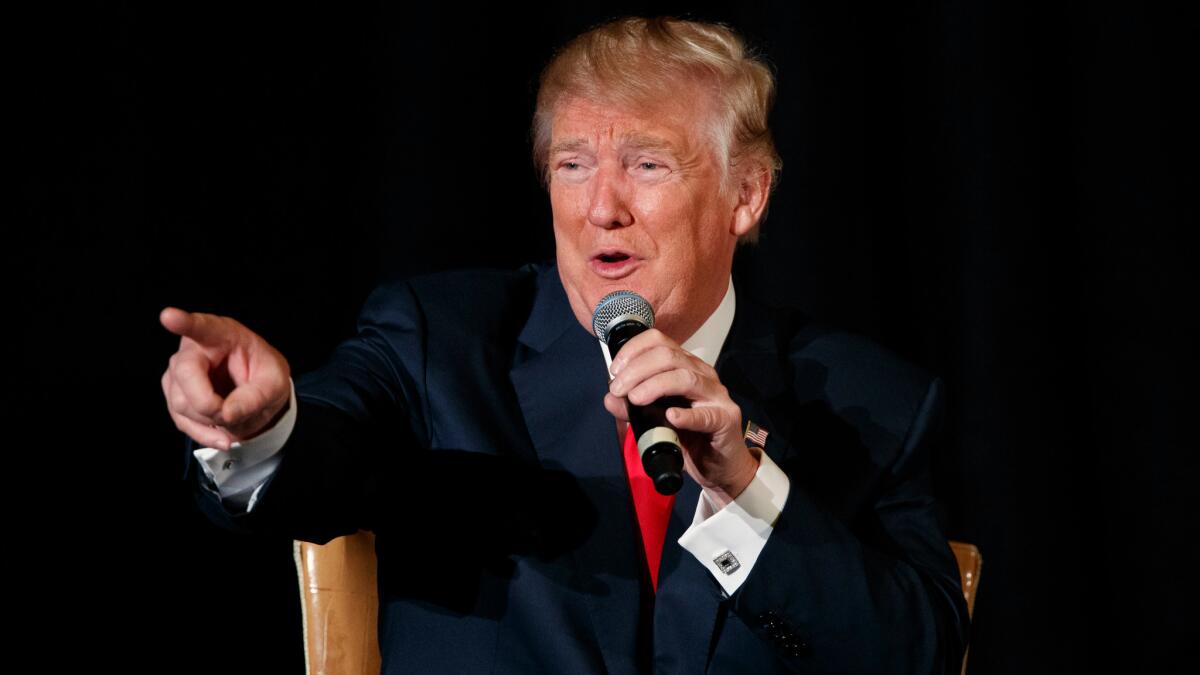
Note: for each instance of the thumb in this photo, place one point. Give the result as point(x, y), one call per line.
point(702, 419)
point(242, 405)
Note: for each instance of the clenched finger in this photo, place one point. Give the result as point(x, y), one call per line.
point(615, 405)
point(179, 404)
point(638, 344)
point(679, 382)
point(209, 437)
point(649, 362)
point(190, 370)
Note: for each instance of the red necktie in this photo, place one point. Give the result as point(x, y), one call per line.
point(653, 509)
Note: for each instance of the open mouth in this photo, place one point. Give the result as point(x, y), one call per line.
point(613, 264)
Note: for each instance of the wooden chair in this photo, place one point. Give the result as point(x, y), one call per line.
point(970, 563)
point(340, 605)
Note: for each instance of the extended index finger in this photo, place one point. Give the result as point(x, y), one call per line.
point(206, 329)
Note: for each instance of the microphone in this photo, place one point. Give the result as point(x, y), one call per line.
point(619, 316)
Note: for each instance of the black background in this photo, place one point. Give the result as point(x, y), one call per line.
point(996, 190)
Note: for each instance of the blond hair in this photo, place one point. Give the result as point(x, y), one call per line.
point(634, 60)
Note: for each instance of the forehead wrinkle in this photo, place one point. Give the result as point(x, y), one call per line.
point(632, 140)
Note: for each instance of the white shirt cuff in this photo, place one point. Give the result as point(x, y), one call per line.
point(728, 541)
point(239, 473)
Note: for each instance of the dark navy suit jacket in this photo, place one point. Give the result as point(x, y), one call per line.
point(464, 425)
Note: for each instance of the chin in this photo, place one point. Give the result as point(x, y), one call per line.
point(590, 288)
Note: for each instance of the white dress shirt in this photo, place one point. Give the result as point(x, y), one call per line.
point(739, 530)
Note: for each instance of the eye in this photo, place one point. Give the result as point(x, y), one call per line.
point(649, 166)
point(572, 171)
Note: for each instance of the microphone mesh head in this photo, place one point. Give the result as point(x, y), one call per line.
point(620, 305)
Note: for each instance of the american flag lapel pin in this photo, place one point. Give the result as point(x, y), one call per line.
point(756, 435)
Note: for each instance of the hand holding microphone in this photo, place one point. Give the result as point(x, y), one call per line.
point(674, 402)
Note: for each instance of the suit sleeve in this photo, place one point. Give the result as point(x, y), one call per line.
point(355, 421)
point(880, 594)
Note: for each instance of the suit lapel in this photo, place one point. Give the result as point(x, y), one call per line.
point(688, 599)
point(560, 382)
point(751, 369)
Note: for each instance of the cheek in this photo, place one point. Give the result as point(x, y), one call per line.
point(680, 225)
point(562, 211)
point(655, 205)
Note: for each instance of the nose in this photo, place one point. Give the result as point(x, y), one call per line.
point(608, 199)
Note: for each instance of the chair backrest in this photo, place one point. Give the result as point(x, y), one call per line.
point(339, 602)
point(970, 563)
point(339, 605)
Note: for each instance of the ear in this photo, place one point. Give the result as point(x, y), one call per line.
point(754, 186)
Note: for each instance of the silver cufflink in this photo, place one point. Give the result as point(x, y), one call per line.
point(727, 562)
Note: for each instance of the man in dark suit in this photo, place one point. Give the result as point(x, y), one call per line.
point(472, 425)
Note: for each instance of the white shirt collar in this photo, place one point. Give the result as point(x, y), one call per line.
point(706, 342)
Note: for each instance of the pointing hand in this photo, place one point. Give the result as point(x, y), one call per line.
point(225, 383)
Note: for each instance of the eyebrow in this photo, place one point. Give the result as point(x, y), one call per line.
point(647, 142)
point(569, 145)
point(635, 140)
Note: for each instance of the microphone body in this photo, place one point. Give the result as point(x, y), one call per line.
point(618, 318)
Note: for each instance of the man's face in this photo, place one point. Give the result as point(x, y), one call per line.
point(637, 205)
